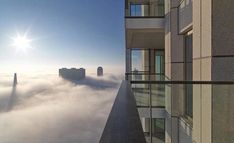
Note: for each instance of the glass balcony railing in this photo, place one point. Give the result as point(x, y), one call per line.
point(146, 93)
point(213, 100)
point(144, 76)
point(154, 8)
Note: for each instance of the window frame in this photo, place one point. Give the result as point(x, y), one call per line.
point(188, 88)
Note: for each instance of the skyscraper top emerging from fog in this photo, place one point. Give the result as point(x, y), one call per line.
point(99, 71)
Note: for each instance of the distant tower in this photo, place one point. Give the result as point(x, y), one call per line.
point(13, 94)
point(99, 71)
point(15, 79)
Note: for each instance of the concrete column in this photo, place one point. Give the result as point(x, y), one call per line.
point(202, 94)
point(128, 60)
point(174, 68)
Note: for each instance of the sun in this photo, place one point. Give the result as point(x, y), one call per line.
point(21, 42)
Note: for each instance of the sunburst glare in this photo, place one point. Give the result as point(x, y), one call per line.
point(21, 42)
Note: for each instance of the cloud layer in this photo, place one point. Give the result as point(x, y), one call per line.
point(48, 109)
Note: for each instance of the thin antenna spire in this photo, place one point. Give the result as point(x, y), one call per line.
point(15, 79)
point(13, 94)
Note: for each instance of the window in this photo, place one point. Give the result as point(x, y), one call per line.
point(139, 10)
point(159, 62)
point(140, 60)
point(158, 130)
point(189, 75)
point(155, 8)
point(159, 8)
point(155, 134)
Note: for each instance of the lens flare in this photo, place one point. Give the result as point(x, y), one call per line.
point(21, 42)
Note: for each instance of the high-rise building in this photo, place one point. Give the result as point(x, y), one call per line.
point(183, 51)
point(99, 71)
point(72, 74)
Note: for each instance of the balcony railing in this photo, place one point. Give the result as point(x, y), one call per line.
point(215, 98)
point(144, 76)
point(145, 9)
point(147, 94)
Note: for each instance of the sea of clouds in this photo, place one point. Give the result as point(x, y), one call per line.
point(49, 109)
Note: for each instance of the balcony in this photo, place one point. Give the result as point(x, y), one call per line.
point(144, 23)
point(146, 102)
point(144, 14)
point(125, 125)
point(196, 102)
point(144, 8)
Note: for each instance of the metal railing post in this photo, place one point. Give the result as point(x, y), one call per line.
point(150, 98)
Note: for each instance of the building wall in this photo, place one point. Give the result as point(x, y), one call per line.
point(222, 69)
point(72, 74)
point(222, 40)
point(185, 11)
point(212, 25)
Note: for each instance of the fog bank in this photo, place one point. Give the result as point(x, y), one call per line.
point(48, 109)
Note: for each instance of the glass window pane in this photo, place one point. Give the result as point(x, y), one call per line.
point(147, 9)
point(188, 75)
point(132, 10)
point(158, 95)
point(135, 10)
point(139, 10)
point(141, 94)
point(140, 60)
point(158, 130)
point(159, 62)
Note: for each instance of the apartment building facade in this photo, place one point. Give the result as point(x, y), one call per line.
point(182, 40)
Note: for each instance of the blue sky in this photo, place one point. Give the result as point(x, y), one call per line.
point(64, 32)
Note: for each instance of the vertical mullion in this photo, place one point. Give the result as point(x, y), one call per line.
point(150, 93)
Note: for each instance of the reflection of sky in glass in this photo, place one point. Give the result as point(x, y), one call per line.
point(158, 64)
point(136, 10)
point(137, 60)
